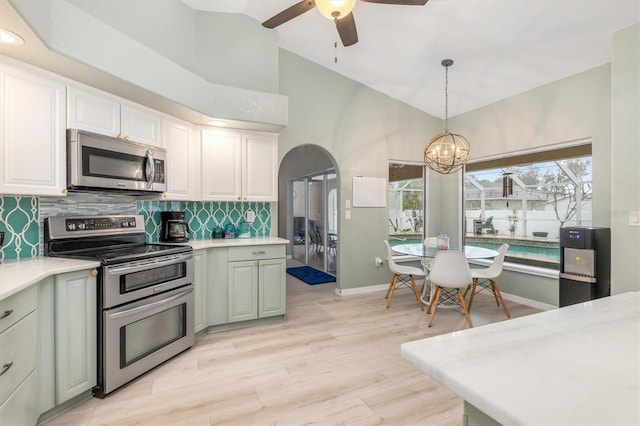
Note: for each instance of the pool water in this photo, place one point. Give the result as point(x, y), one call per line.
point(544, 252)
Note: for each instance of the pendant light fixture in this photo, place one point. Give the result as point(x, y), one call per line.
point(446, 152)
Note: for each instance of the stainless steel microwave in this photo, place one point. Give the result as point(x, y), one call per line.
point(98, 162)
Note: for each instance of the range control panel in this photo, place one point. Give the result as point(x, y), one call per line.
point(99, 223)
point(61, 227)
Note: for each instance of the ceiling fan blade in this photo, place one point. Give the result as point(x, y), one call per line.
point(347, 29)
point(290, 13)
point(399, 2)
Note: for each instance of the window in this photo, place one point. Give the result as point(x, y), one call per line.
point(525, 200)
point(406, 202)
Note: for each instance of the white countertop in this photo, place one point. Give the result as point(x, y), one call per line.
point(234, 242)
point(18, 274)
point(578, 365)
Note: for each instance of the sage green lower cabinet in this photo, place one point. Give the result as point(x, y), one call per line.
point(272, 287)
point(200, 289)
point(19, 358)
point(21, 407)
point(256, 282)
point(243, 290)
point(47, 361)
point(75, 334)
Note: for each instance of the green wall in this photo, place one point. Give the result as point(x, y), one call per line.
point(625, 152)
point(362, 130)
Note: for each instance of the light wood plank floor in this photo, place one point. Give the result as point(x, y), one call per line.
point(335, 360)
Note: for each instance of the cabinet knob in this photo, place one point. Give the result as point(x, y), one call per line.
point(63, 191)
point(119, 135)
point(126, 137)
point(6, 313)
point(94, 272)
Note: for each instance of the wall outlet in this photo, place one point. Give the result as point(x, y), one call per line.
point(634, 218)
point(347, 214)
point(250, 216)
point(378, 261)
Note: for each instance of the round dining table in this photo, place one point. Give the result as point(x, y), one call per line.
point(419, 249)
point(427, 254)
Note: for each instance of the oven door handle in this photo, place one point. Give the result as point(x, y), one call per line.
point(145, 264)
point(134, 311)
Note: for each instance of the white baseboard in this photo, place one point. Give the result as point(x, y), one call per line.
point(383, 287)
point(528, 302)
point(368, 289)
point(361, 290)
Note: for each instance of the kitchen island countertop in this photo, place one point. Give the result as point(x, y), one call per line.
point(575, 365)
point(18, 274)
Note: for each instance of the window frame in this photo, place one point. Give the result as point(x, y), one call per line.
point(425, 216)
point(556, 152)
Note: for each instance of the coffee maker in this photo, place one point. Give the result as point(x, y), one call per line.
point(174, 228)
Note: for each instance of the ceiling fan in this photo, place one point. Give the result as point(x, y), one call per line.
point(338, 10)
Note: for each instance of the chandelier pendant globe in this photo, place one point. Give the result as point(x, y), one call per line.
point(335, 9)
point(446, 152)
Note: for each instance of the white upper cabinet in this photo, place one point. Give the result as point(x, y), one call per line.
point(98, 112)
point(183, 160)
point(259, 167)
point(32, 133)
point(221, 165)
point(239, 166)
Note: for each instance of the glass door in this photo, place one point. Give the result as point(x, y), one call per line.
point(300, 238)
point(315, 220)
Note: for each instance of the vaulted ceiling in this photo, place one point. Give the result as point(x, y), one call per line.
point(500, 47)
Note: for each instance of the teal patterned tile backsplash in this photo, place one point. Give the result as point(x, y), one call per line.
point(21, 217)
point(19, 221)
point(202, 217)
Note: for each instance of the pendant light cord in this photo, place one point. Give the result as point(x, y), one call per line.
point(446, 63)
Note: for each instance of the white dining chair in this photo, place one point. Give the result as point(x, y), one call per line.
point(430, 243)
point(449, 270)
point(402, 275)
point(485, 278)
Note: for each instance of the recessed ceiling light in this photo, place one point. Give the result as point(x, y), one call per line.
point(9, 37)
point(217, 123)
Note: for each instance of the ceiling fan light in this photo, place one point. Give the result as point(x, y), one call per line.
point(335, 9)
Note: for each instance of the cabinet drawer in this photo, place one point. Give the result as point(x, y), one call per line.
point(256, 252)
point(15, 307)
point(21, 408)
point(18, 353)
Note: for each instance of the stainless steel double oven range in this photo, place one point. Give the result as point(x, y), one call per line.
point(145, 292)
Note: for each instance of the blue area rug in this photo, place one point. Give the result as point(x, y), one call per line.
point(311, 275)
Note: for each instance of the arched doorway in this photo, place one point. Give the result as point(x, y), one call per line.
point(308, 207)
